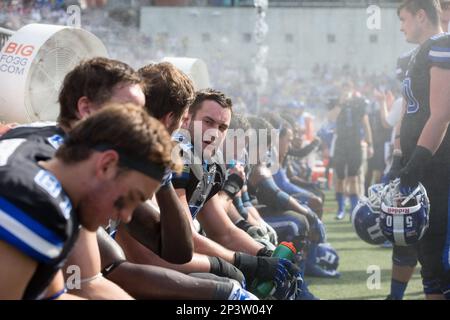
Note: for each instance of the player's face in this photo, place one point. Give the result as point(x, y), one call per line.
point(213, 120)
point(116, 198)
point(410, 26)
point(285, 143)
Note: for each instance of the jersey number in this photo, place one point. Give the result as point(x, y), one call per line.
point(412, 103)
point(389, 221)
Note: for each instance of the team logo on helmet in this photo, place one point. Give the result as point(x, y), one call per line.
point(366, 217)
point(322, 261)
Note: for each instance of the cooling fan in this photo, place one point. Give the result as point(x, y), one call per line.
point(33, 64)
point(195, 69)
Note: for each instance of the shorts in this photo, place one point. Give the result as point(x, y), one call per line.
point(347, 160)
point(404, 256)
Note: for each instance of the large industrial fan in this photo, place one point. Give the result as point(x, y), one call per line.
point(195, 69)
point(33, 63)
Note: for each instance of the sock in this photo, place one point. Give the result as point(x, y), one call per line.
point(353, 201)
point(341, 201)
point(398, 289)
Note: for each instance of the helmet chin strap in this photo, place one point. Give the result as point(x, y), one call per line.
point(411, 195)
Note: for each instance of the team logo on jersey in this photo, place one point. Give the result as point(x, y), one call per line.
point(56, 141)
point(48, 182)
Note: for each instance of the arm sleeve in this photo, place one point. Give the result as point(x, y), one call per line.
point(303, 152)
point(284, 184)
point(269, 194)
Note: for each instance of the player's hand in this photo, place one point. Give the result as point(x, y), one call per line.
point(396, 166)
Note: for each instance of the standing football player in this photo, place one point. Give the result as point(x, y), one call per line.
point(424, 140)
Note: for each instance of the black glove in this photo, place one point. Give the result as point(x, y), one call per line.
point(394, 172)
point(264, 252)
point(414, 170)
point(222, 268)
point(233, 185)
point(265, 268)
point(243, 225)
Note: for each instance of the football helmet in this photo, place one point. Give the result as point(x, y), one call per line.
point(322, 261)
point(404, 217)
point(366, 216)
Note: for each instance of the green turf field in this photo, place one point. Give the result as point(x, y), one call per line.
point(355, 257)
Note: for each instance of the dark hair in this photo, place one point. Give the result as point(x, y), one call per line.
point(94, 79)
point(239, 121)
point(277, 122)
point(122, 127)
point(289, 119)
point(167, 89)
point(210, 94)
point(258, 123)
point(431, 7)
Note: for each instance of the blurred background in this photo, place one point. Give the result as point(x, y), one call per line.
point(261, 53)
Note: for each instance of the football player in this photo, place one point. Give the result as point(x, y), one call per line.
point(424, 139)
point(112, 162)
